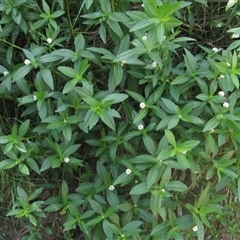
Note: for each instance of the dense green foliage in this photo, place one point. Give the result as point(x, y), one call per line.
point(120, 117)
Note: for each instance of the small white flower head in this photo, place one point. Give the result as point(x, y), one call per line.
point(235, 36)
point(27, 62)
point(142, 5)
point(65, 121)
point(222, 76)
point(184, 152)
point(142, 105)
point(35, 97)
point(212, 130)
point(140, 127)
point(226, 104)
point(221, 93)
point(163, 190)
point(128, 171)
point(144, 38)
point(6, 73)
point(228, 64)
point(154, 64)
point(66, 159)
point(195, 228)
point(215, 49)
point(111, 188)
point(164, 38)
point(123, 62)
point(49, 40)
point(136, 181)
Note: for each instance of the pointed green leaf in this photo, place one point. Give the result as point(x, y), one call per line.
point(139, 189)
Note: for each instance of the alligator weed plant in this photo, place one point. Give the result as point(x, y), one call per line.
point(119, 119)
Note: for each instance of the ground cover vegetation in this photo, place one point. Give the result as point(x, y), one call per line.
point(119, 119)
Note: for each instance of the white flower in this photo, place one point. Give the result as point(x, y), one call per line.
point(222, 76)
point(142, 5)
point(49, 40)
point(221, 93)
point(35, 97)
point(235, 36)
point(27, 62)
point(226, 104)
point(195, 228)
point(123, 62)
point(65, 121)
point(212, 130)
point(229, 64)
point(140, 127)
point(142, 105)
point(66, 160)
point(154, 64)
point(163, 190)
point(164, 38)
point(184, 152)
point(111, 188)
point(5, 73)
point(215, 49)
point(144, 38)
point(128, 171)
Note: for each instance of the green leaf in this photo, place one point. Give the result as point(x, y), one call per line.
point(204, 195)
point(149, 144)
point(71, 149)
point(23, 168)
point(181, 79)
point(116, 97)
point(22, 196)
point(200, 231)
point(142, 24)
point(115, 27)
point(230, 4)
point(136, 96)
point(140, 115)
point(139, 189)
point(96, 206)
point(211, 124)
point(47, 77)
point(130, 55)
point(190, 62)
point(106, 117)
point(183, 161)
point(160, 229)
point(3, 140)
point(65, 192)
point(23, 128)
point(7, 164)
point(176, 186)
point(235, 80)
point(123, 178)
point(229, 173)
point(152, 176)
point(170, 138)
point(68, 71)
point(131, 228)
point(22, 72)
point(70, 85)
point(171, 107)
point(188, 145)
